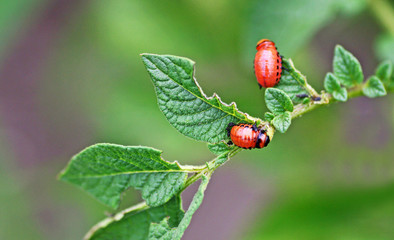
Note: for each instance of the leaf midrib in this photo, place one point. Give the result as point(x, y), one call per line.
point(203, 99)
point(350, 66)
point(127, 173)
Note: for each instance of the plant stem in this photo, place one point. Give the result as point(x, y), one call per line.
point(326, 99)
point(211, 166)
point(311, 90)
point(102, 224)
point(191, 168)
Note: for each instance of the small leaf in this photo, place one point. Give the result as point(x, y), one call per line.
point(219, 148)
point(291, 87)
point(293, 72)
point(374, 88)
point(183, 102)
point(134, 223)
point(107, 170)
point(268, 116)
point(331, 83)
point(278, 101)
point(347, 68)
point(333, 86)
point(163, 231)
point(282, 122)
point(340, 94)
point(384, 71)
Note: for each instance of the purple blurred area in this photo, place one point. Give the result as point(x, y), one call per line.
point(71, 76)
point(21, 76)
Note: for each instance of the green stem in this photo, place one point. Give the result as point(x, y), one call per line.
point(102, 224)
point(211, 166)
point(192, 179)
point(311, 90)
point(191, 168)
point(301, 109)
point(327, 99)
point(384, 12)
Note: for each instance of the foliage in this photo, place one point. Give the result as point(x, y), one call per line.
point(184, 104)
point(347, 68)
point(107, 170)
point(333, 86)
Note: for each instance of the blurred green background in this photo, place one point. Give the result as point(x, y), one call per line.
point(71, 76)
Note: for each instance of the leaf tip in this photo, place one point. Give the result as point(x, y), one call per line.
point(338, 47)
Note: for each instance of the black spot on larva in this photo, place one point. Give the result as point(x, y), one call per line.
point(267, 140)
point(277, 73)
point(277, 66)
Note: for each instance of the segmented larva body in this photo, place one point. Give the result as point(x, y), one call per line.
point(267, 64)
point(247, 136)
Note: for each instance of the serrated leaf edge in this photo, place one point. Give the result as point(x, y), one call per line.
point(64, 171)
point(232, 105)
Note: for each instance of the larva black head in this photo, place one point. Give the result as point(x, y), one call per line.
point(267, 140)
point(262, 139)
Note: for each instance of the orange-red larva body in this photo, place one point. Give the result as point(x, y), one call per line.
point(267, 64)
point(248, 136)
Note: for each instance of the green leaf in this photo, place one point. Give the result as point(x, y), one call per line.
point(340, 94)
point(292, 83)
point(107, 170)
point(278, 101)
point(268, 116)
point(134, 223)
point(219, 148)
point(160, 231)
point(384, 71)
point(347, 68)
point(183, 102)
point(163, 231)
point(374, 88)
point(333, 86)
point(293, 72)
point(331, 83)
point(282, 122)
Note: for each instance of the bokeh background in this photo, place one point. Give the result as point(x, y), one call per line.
point(71, 76)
